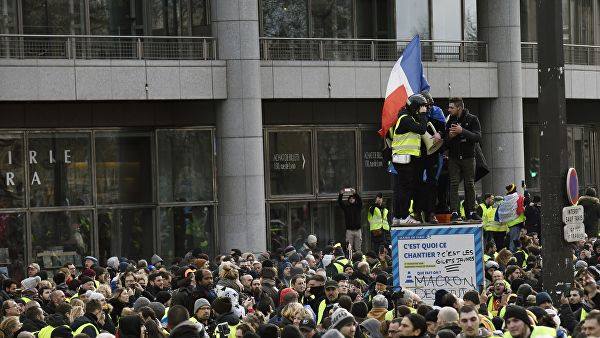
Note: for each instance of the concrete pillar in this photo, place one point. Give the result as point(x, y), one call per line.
point(241, 217)
point(502, 118)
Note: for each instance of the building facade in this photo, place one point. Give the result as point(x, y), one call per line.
point(149, 126)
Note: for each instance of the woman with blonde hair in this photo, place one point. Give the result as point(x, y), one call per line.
point(292, 314)
point(76, 312)
point(9, 326)
point(503, 258)
point(229, 277)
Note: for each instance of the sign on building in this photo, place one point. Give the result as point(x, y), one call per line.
point(427, 259)
point(574, 229)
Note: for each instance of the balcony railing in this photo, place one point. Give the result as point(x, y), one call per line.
point(574, 54)
point(107, 47)
point(369, 50)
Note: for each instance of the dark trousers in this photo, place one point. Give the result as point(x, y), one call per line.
point(382, 239)
point(426, 191)
point(497, 236)
point(404, 187)
point(462, 169)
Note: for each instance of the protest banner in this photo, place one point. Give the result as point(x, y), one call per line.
point(427, 259)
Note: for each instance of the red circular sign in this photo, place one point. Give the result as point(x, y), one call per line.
point(572, 186)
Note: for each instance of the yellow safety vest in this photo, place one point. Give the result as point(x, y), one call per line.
point(232, 332)
point(339, 264)
point(321, 311)
point(519, 219)
point(25, 299)
point(462, 209)
point(407, 143)
point(524, 264)
point(46, 331)
point(583, 315)
point(489, 224)
point(377, 220)
point(538, 331)
point(83, 327)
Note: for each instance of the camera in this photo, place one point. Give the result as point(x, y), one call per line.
point(223, 329)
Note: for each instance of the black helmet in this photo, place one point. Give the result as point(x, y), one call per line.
point(427, 96)
point(415, 102)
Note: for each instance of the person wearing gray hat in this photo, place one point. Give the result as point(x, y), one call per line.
point(156, 260)
point(343, 321)
point(140, 303)
point(158, 308)
point(202, 311)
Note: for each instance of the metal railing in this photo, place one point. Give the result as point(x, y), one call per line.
point(574, 54)
point(369, 49)
point(107, 47)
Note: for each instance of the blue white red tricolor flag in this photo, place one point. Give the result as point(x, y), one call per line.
point(405, 80)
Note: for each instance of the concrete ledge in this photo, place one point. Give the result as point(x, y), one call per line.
point(368, 79)
point(581, 82)
point(72, 80)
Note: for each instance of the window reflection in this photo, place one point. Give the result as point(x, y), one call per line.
point(179, 17)
point(126, 232)
point(337, 158)
point(53, 16)
point(287, 18)
point(374, 169)
point(8, 25)
point(115, 17)
point(185, 166)
point(186, 228)
point(413, 19)
point(59, 169)
point(332, 19)
point(60, 237)
point(123, 167)
point(290, 164)
point(12, 245)
point(11, 172)
point(278, 226)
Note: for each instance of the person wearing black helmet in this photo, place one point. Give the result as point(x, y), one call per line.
point(429, 165)
point(406, 147)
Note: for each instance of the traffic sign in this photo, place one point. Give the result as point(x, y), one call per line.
point(572, 186)
point(571, 215)
point(574, 232)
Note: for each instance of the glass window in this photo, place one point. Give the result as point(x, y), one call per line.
point(332, 19)
point(126, 232)
point(321, 214)
point(278, 228)
point(337, 158)
point(299, 223)
point(199, 18)
point(165, 17)
point(470, 20)
point(185, 165)
point(12, 245)
point(284, 18)
point(415, 19)
point(374, 171)
point(53, 16)
point(532, 152)
point(59, 169)
point(290, 164)
point(375, 19)
point(446, 20)
point(123, 167)
point(528, 20)
point(60, 237)
point(11, 172)
point(8, 23)
point(113, 17)
point(186, 228)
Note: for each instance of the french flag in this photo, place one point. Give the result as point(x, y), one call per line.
point(405, 80)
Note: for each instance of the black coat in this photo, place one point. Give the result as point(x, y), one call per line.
point(591, 214)
point(186, 329)
point(351, 212)
point(87, 318)
point(463, 145)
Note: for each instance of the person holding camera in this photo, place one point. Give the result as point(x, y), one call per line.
point(352, 209)
point(406, 147)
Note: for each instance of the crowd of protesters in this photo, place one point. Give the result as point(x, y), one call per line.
point(314, 290)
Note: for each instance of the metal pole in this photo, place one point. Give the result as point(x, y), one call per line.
point(557, 260)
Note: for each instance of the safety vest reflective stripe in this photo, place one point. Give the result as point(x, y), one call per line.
point(519, 219)
point(489, 224)
point(583, 315)
point(25, 299)
point(524, 264)
point(537, 332)
point(339, 264)
point(406, 143)
point(46, 331)
point(462, 209)
point(321, 311)
point(83, 327)
point(377, 220)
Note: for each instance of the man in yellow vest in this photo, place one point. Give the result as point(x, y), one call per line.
point(492, 230)
point(378, 223)
point(92, 321)
point(519, 325)
point(406, 146)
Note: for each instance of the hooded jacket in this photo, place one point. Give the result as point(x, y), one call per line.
point(591, 214)
point(372, 325)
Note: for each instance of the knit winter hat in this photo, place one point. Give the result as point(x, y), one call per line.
point(311, 239)
point(372, 326)
point(140, 303)
point(200, 303)
point(580, 265)
point(155, 259)
point(158, 308)
point(431, 315)
point(89, 273)
point(221, 305)
point(290, 250)
point(515, 311)
point(30, 283)
point(542, 297)
point(332, 334)
point(359, 310)
point(113, 262)
point(340, 318)
point(380, 301)
point(381, 279)
point(511, 188)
